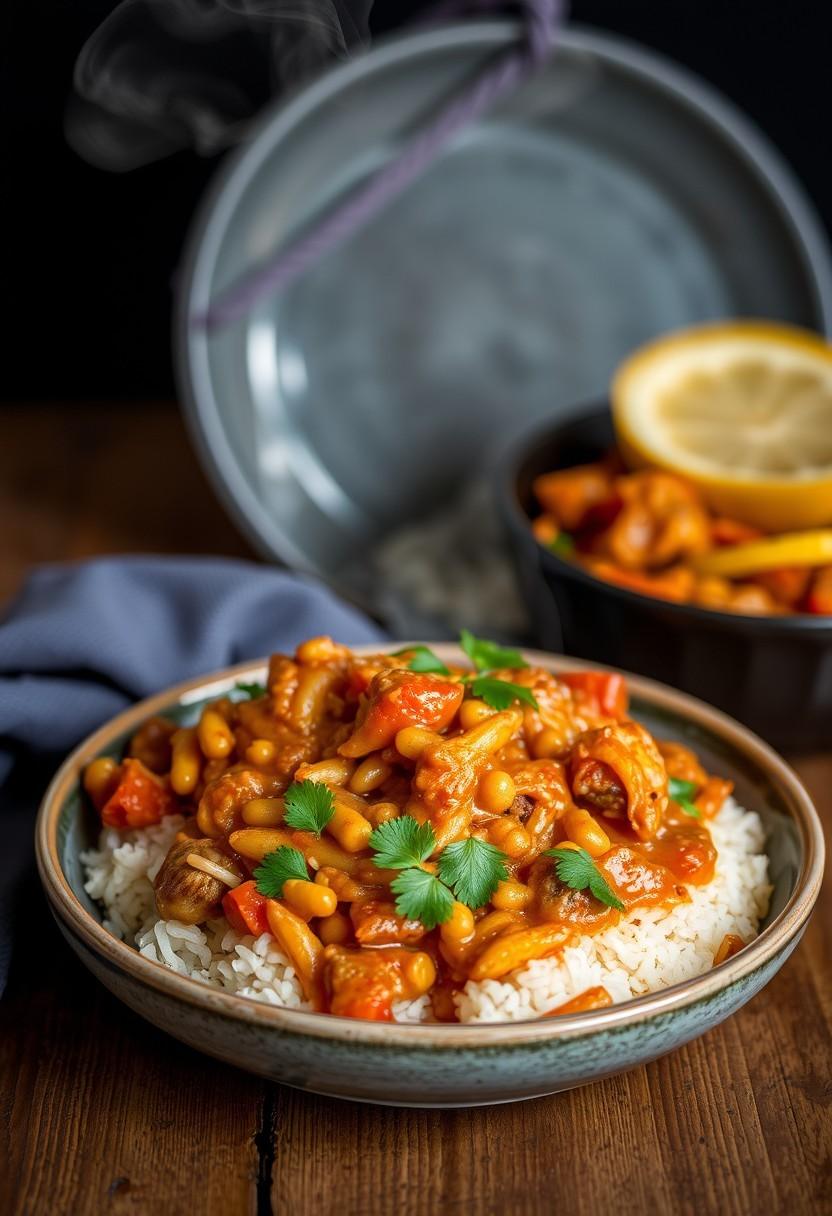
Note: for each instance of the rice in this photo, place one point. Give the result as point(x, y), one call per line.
point(651, 948)
point(648, 950)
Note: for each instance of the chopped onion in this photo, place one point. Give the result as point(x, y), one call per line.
point(216, 871)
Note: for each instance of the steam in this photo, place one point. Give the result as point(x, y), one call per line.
point(158, 76)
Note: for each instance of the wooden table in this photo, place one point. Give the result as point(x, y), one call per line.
point(101, 1113)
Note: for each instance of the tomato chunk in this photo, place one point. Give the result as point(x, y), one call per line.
point(245, 909)
point(605, 692)
point(819, 599)
point(568, 494)
point(675, 583)
point(398, 698)
point(726, 531)
point(362, 983)
point(788, 584)
point(139, 800)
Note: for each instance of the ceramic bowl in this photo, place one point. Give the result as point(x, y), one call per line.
point(444, 1065)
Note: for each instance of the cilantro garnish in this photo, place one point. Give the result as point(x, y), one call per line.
point(309, 806)
point(251, 690)
point(469, 870)
point(489, 656)
point(423, 659)
point(472, 869)
point(681, 792)
point(499, 694)
point(576, 868)
point(563, 545)
point(277, 868)
point(421, 896)
point(401, 843)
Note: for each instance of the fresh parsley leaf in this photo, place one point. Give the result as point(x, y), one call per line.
point(563, 545)
point(576, 868)
point(402, 842)
point(251, 690)
point(423, 659)
point(309, 806)
point(489, 656)
point(499, 694)
point(421, 896)
point(472, 869)
point(277, 868)
point(682, 792)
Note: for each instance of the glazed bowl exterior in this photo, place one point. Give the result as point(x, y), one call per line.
point(773, 673)
point(442, 1065)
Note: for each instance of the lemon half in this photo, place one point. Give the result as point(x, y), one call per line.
point(743, 410)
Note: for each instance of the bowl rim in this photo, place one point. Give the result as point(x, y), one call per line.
point(786, 927)
point(520, 448)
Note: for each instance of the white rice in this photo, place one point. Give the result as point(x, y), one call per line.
point(648, 950)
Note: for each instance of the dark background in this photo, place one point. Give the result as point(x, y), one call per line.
point(89, 256)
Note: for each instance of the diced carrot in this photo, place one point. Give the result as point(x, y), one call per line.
point(604, 691)
point(372, 1006)
point(590, 998)
point(675, 584)
point(819, 599)
point(725, 531)
point(245, 909)
point(140, 798)
point(788, 585)
point(569, 493)
point(545, 529)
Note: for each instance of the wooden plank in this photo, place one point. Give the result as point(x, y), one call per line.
point(101, 1113)
point(85, 480)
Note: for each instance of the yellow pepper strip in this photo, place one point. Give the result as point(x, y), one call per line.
point(515, 947)
point(791, 549)
point(303, 949)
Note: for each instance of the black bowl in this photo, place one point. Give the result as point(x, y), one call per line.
point(773, 673)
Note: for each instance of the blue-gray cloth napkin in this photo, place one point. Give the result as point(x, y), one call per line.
point(81, 642)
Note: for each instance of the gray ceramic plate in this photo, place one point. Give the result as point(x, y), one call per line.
point(445, 1065)
point(612, 198)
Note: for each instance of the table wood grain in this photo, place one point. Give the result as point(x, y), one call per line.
point(101, 1113)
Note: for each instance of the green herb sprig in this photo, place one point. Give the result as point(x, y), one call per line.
point(401, 843)
point(563, 545)
point(253, 691)
point(681, 792)
point(577, 870)
point(277, 868)
point(423, 659)
point(421, 896)
point(472, 868)
point(469, 870)
point(500, 694)
point(487, 658)
point(309, 806)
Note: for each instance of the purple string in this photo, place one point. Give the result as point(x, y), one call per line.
point(543, 19)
